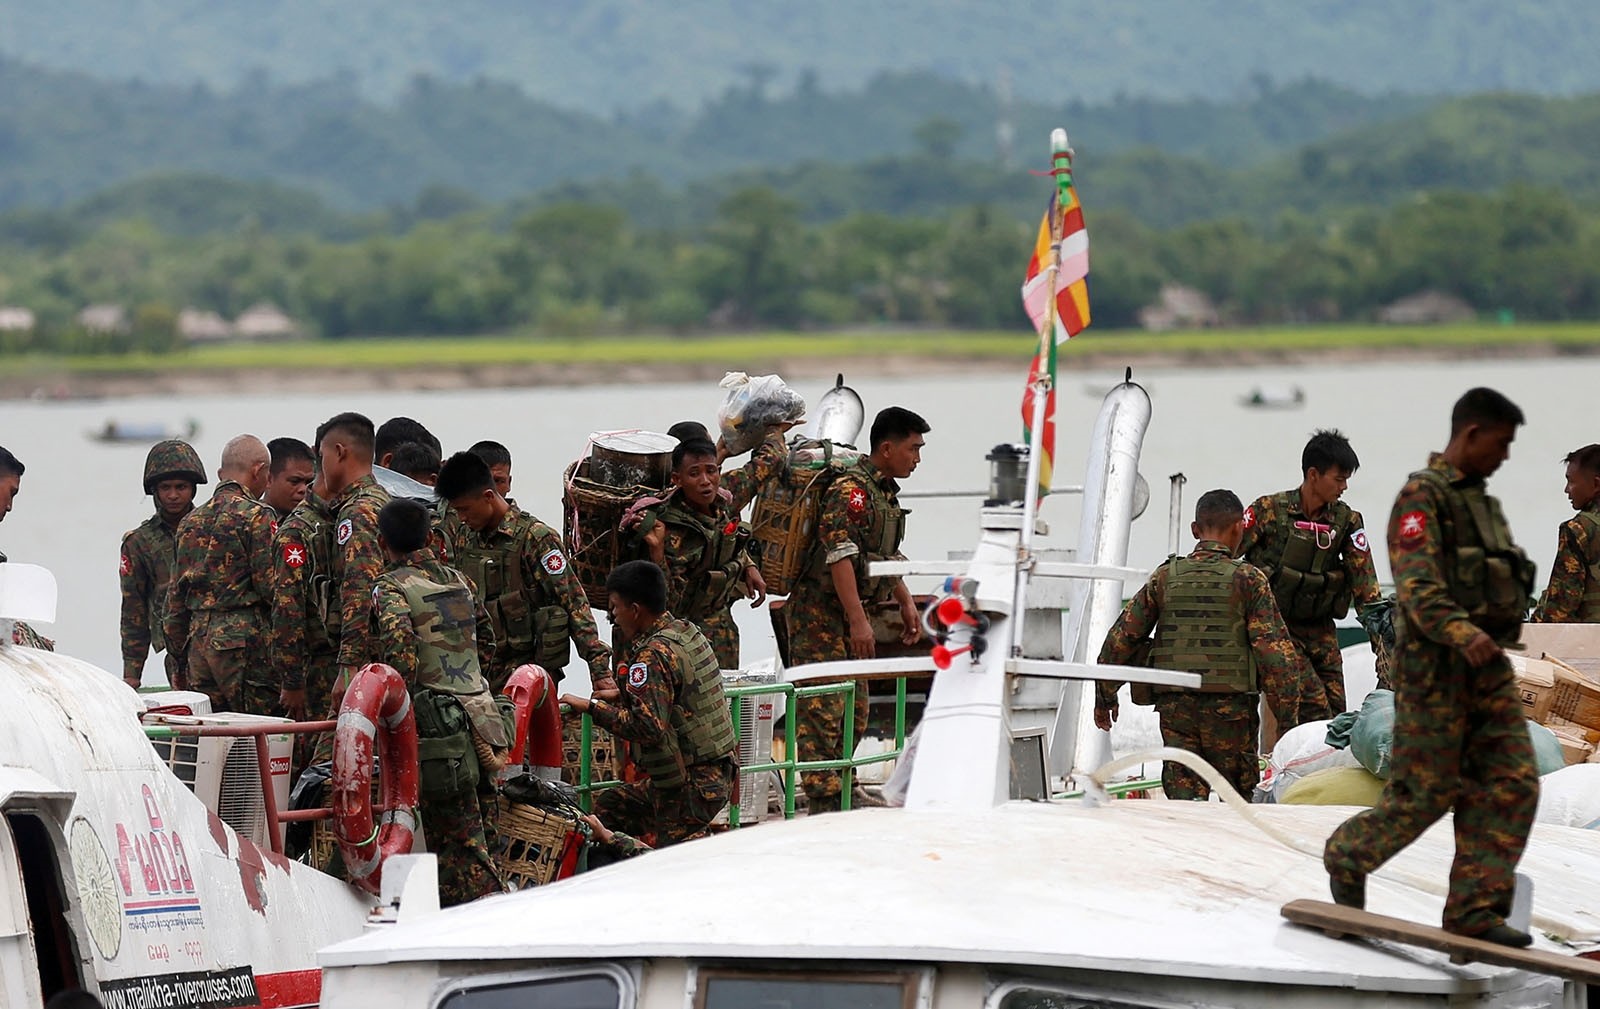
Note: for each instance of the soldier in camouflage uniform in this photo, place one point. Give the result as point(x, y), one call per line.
point(696, 538)
point(1313, 548)
point(1213, 614)
point(289, 479)
point(305, 656)
point(533, 596)
point(218, 602)
point(1460, 739)
point(673, 711)
point(1573, 595)
point(861, 521)
point(172, 470)
point(11, 470)
point(425, 623)
point(344, 449)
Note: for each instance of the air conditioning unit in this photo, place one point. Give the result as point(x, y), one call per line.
point(756, 715)
point(174, 702)
point(223, 772)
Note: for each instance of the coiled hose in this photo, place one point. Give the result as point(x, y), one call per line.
point(1238, 804)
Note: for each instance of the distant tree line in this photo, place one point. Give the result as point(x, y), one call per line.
point(590, 268)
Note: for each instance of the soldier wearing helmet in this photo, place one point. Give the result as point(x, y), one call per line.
point(172, 470)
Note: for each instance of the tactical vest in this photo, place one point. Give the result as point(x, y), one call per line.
point(717, 579)
point(1589, 610)
point(702, 729)
point(1309, 581)
point(1202, 628)
point(528, 626)
point(886, 529)
point(444, 616)
point(1488, 574)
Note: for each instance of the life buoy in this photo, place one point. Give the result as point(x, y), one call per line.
point(375, 714)
point(538, 728)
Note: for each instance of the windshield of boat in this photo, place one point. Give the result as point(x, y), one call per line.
point(727, 989)
point(584, 991)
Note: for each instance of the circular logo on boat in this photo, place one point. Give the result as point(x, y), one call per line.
point(554, 562)
point(345, 530)
point(1358, 539)
point(97, 888)
point(638, 674)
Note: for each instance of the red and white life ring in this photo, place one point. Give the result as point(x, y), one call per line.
point(538, 725)
point(375, 714)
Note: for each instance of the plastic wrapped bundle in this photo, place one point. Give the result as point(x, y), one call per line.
point(752, 405)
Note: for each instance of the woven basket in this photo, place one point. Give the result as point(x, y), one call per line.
point(533, 841)
point(783, 525)
point(590, 513)
point(605, 760)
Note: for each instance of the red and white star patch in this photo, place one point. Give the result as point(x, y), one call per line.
point(346, 529)
point(294, 555)
point(858, 500)
point(1358, 539)
point(125, 566)
point(638, 674)
point(554, 562)
point(1413, 527)
point(1249, 517)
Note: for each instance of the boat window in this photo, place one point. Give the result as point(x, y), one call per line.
point(1028, 997)
point(588, 991)
point(804, 990)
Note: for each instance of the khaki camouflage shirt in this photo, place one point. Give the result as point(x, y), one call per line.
point(301, 552)
point(358, 560)
point(144, 571)
point(1576, 553)
point(222, 566)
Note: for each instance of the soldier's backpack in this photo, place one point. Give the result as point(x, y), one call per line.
point(784, 521)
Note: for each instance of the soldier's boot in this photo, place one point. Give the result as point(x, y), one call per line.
point(1348, 888)
point(1505, 935)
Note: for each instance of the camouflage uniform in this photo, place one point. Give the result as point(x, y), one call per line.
point(357, 561)
point(767, 463)
point(305, 655)
point(425, 623)
point(860, 519)
point(1460, 739)
point(675, 715)
point(1573, 596)
point(217, 605)
point(27, 637)
point(533, 596)
point(1249, 648)
point(706, 557)
point(1317, 565)
point(145, 570)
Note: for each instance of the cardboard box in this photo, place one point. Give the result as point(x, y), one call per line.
point(1536, 685)
point(1574, 748)
point(1557, 723)
point(1578, 645)
point(1576, 697)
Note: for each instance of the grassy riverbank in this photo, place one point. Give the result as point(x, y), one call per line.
point(517, 361)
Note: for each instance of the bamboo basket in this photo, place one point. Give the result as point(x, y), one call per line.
point(783, 526)
point(534, 841)
point(605, 760)
point(590, 514)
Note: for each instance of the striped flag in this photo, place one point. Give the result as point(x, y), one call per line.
point(1070, 313)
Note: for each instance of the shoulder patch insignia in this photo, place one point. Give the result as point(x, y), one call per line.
point(1358, 539)
point(731, 528)
point(1250, 517)
point(638, 675)
point(858, 500)
point(294, 555)
point(554, 562)
point(345, 531)
point(1413, 527)
point(125, 566)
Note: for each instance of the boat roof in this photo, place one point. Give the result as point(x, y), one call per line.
point(1184, 889)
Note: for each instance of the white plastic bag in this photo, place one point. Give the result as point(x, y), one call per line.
point(1300, 751)
point(1570, 797)
point(752, 405)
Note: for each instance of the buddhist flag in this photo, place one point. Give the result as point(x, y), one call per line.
point(1059, 266)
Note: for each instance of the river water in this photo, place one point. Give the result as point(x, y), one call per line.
point(79, 496)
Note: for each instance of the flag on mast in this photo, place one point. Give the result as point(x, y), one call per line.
point(1055, 294)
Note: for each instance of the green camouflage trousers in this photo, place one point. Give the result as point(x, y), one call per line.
point(1318, 641)
point(1221, 729)
point(723, 634)
point(1460, 741)
point(819, 735)
point(455, 832)
point(663, 816)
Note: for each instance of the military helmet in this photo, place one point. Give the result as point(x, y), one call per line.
point(171, 460)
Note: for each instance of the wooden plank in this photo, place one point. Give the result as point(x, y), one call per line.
point(1341, 921)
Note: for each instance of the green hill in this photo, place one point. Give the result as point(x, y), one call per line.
point(611, 54)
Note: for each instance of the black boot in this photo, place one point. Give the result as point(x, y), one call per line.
point(1349, 889)
point(1505, 935)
